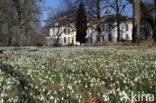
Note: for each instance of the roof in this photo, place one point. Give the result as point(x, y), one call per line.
point(112, 18)
point(62, 26)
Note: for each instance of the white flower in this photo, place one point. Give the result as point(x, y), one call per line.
point(2, 101)
point(55, 101)
point(51, 97)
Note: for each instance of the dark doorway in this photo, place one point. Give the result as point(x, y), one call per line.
point(103, 38)
point(72, 40)
point(127, 37)
point(110, 37)
point(91, 40)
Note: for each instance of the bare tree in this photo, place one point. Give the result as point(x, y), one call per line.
point(142, 12)
point(147, 19)
point(95, 8)
point(57, 19)
point(155, 18)
point(118, 7)
point(19, 17)
point(7, 20)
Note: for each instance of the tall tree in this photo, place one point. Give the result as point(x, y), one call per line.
point(155, 10)
point(19, 17)
point(7, 20)
point(94, 10)
point(148, 20)
point(155, 18)
point(81, 25)
point(136, 20)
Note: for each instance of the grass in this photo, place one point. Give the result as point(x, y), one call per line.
point(76, 75)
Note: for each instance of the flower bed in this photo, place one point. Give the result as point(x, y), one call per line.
point(75, 75)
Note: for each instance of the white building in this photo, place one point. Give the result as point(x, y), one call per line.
point(109, 32)
point(67, 34)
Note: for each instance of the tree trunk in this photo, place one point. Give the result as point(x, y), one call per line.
point(155, 22)
point(9, 37)
point(154, 33)
point(118, 32)
point(136, 21)
point(118, 21)
point(25, 42)
point(99, 39)
point(57, 41)
point(153, 25)
point(9, 40)
point(17, 42)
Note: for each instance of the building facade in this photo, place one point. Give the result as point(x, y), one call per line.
point(109, 32)
point(66, 35)
point(63, 35)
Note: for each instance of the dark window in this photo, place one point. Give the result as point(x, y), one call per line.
point(110, 37)
point(68, 31)
point(103, 27)
point(68, 39)
point(103, 37)
point(109, 27)
point(65, 30)
point(91, 40)
point(72, 40)
point(127, 37)
point(127, 27)
point(64, 39)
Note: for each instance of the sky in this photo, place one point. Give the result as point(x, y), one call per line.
point(49, 3)
point(57, 4)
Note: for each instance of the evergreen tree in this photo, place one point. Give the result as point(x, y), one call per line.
point(81, 25)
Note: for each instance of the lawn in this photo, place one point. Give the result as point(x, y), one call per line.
point(76, 74)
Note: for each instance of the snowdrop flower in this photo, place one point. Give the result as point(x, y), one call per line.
point(55, 101)
point(51, 97)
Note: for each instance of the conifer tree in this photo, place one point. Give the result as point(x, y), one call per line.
point(81, 24)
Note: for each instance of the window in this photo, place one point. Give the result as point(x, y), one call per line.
point(72, 40)
point(103, 27)
point(109, 27)
point(65, 30)
point(68, 31)
point(73, 30)
point(110, 37)
point(65, 40)
point(127, 37)
point(127, 27)
point(68, 39)
point(103, 37)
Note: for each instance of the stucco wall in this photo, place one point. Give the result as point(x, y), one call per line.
point(126, 34)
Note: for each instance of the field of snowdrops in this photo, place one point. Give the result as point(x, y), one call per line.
point(75, 75)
